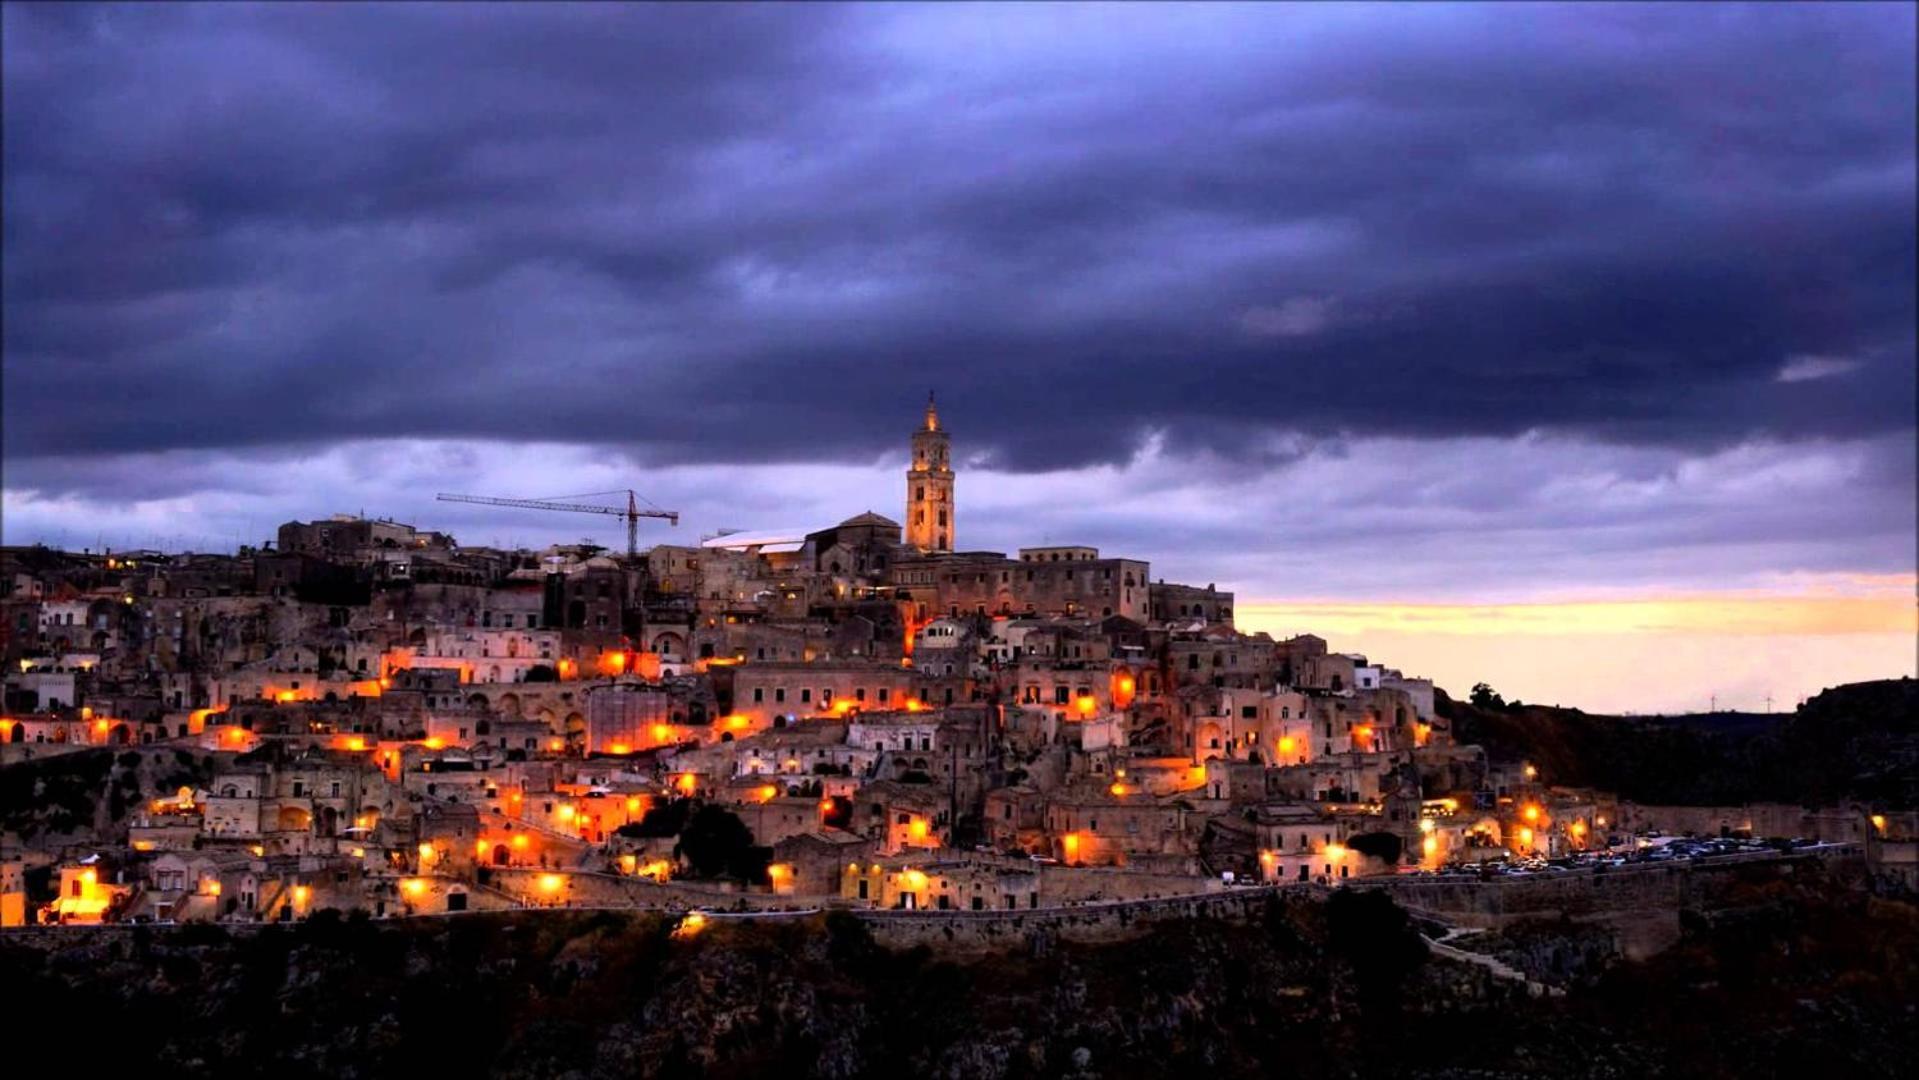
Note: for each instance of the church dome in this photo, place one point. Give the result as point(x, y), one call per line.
point(869, 518)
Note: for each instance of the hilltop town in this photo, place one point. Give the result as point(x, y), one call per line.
point(368, 716)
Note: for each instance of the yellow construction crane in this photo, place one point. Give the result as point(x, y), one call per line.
point(631, 512)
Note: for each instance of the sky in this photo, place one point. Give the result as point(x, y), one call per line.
point(1567, 347)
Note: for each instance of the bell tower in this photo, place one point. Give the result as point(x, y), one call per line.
point(929, 486)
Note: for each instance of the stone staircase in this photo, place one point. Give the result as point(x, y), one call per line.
point(1499, 968)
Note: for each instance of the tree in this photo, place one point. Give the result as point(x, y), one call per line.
point(1379, 940)
point(1486, 697)
point(1384, 846)
point(667, 819)
point(716, 842)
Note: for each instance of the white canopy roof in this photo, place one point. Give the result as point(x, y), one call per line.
point(765, 540)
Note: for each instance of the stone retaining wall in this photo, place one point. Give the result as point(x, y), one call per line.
point(580, 888)
point(1060, 885)
point(1115, 920)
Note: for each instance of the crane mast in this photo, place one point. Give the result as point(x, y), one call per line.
point(632, 512)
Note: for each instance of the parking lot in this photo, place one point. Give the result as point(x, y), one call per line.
point(1650, 850)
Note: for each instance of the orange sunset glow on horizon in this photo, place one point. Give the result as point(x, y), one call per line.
point(1678, 652)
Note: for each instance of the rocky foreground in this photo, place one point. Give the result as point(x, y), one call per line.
point(1806, 978)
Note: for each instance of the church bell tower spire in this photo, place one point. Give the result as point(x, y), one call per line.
point(929, 486)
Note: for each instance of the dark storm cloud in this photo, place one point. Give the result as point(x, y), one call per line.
point(739, 234)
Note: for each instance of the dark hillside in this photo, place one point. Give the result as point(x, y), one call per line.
point(1803, 978)
point(1859, 741)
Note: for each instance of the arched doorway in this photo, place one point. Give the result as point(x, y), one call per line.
point(1209, 738)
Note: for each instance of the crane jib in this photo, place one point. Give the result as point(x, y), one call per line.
point(631, 511)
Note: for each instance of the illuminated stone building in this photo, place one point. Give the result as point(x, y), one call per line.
point(13, 892)
point(969, 883)
point(817, 749)
point(1102, 828)
point(84, 896)
point(989, 583)
point(762, 691)
point(1298, 842)
point(822, 862)
point(310, 803)
point(900, 816)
